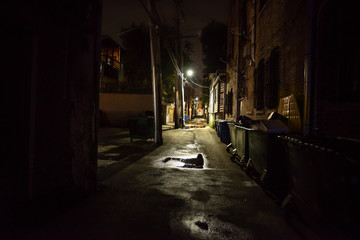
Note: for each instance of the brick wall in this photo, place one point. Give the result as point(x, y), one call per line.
point(279, 26)
point(282, 25)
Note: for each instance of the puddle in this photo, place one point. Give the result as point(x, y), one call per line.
point(249, 184)
point(191, 146)
point(194, 162)
point(202, 225)
point(194, 126)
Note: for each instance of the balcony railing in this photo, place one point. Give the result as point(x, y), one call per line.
point(108, 60)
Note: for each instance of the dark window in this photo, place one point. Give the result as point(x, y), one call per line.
point(259, 85)
point(230, 102)
point(272, 79)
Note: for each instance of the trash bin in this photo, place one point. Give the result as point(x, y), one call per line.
point(270, 126)
point(242, 142)
point(267, 158)
point(232, 132)
point(141, 127)
point(223, 131)
point(186, 118)
point(239, 141)
point(318, 179)
point(217, 127)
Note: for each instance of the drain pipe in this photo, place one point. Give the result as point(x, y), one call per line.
point(309, 70)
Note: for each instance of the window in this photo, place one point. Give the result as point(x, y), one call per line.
point(259, 85)
point(229, 102)
point(216, 98)
point(222, 96)
point(272, 79)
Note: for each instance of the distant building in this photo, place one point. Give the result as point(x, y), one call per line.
point(112, 72)
point(217, 96)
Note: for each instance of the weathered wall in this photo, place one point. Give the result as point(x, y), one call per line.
point(232, 67)
point(282, 25)
point(50, 100)
point(117, 108)
point(258, 34)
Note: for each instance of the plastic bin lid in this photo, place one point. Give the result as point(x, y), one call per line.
point(271, 126)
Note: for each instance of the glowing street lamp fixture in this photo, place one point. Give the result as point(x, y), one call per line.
point(190, 72)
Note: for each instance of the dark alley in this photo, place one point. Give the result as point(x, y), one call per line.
point(180, 119)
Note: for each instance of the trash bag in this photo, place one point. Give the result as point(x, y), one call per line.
point(244, 121)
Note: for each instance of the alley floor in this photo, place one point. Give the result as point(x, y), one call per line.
point(158, 192)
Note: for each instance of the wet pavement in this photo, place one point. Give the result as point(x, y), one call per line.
point(170, 192)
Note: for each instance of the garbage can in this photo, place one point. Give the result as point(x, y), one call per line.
point(217, 127)
point(318, 179)
point(141, 127)
point(239, 140)
point(232, 132)
point(223, 131)
point(267, 158)
point(242, 142)
point(186, 118)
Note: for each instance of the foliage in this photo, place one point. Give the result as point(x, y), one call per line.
point(136, 59)
point(214, 39)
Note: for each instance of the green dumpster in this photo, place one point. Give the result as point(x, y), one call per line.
point(141, 128)
point(239, 141)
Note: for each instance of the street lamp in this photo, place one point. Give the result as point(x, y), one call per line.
point(190, 72)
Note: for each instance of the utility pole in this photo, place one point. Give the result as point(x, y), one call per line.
point(182, 84)
point(177, 39)
point(182, 101)
point(156, 74)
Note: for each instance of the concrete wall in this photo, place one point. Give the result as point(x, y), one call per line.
point(49, 101)
point(117, 108)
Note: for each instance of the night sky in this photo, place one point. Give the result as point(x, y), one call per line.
point(118, 14)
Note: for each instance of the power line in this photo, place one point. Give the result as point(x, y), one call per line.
point(169, 50)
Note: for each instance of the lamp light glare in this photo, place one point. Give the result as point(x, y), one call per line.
point(190, 72)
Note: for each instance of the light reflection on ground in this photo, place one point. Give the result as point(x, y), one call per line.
point(193, 162)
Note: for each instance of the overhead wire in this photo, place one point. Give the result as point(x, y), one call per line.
point(169, 50)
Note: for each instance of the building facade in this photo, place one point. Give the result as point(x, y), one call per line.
point(289, 57)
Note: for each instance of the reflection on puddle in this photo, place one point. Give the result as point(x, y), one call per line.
point(194, 162)
point(248, 184)
point(194, 126)
point(191, 146)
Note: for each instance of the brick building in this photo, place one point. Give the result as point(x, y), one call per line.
point(299, 58)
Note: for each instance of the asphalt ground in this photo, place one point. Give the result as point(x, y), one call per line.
point(147, 191)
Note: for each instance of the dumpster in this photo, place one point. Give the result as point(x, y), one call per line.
point(239, 141)
point(141, 127)
point(318, 181)
point(270, 126)
point(267, 159)
point(242, 142)
point(232, 132)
